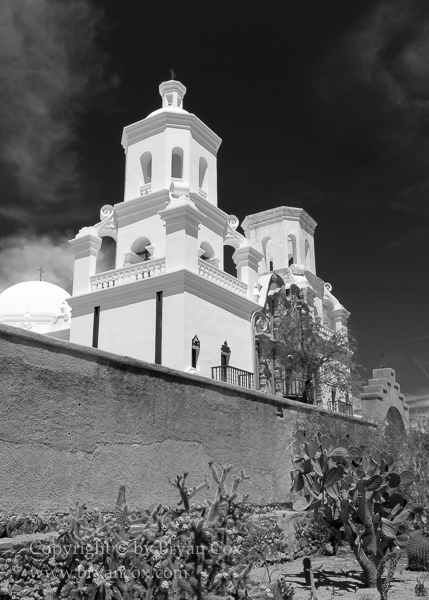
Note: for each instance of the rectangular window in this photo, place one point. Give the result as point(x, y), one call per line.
point(194, 358)
point(158, 328)
point(96, 326)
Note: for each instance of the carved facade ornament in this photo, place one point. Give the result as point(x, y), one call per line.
point(260, 322)
point(196, 342)
point(327, 295)
point(231, 235)
point(108, 219)
point(108, 223)
point(65, 312)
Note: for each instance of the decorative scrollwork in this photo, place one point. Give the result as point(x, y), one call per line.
point(233, 222)
point(231, 234)
point(108, 219)
point(328, 287)
point(106, 211)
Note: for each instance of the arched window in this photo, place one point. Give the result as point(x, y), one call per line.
point(229, 265)
point(177, 163)
point(203, 174)
point(146, 163)
point(106, 259)
point(291, 250)
point(307, 254)
point(266, 249)
point(143, 248)
point(208, 251)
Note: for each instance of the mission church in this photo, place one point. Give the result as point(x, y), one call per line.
point(168, 299)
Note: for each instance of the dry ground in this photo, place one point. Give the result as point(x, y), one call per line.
point(340, 577)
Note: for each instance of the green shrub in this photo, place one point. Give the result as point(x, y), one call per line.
point(190, 551)
point(312, 537)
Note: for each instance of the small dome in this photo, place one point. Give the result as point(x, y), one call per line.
point(172, 109)
point(38, 306)
point(172, 93)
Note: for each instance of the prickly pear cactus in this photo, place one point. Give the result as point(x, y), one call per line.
point(359, 497)
point(418, 552)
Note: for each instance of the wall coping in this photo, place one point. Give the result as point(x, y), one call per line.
point(26, 338)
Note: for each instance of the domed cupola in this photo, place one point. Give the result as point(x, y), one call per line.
point(37, 306)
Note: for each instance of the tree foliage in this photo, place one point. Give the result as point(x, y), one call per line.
point(305, 349)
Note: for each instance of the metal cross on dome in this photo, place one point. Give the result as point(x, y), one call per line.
point(41, 271)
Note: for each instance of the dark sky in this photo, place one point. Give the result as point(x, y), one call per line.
point(320, 105)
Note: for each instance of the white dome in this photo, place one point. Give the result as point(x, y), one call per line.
point(35, 305)
point(173, 109)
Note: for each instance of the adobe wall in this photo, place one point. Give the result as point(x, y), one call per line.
point(77, 422)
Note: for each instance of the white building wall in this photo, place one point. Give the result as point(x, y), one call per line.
point(82, 329)
point(213, 326)
point(129, 330)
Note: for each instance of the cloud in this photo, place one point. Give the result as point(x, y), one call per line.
point(374, 88)
point(23, 253)
point(51, 71)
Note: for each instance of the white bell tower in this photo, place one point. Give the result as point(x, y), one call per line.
point(285, 236)
point(170, 145)
point(168, 287)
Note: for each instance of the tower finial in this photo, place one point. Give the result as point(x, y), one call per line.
point(172, 73)
point(172, 92)
point(382, 360)
point(41, 271)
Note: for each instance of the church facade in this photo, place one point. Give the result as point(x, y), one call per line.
point(169, 300)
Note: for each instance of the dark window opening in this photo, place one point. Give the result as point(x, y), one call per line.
point(158, 328)
point(271, 265)
point(195, 351)
point(96, 327)
point(177, 163)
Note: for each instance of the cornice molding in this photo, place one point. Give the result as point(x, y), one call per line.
point(276, 215)
point(182, 214)
point(158, 123)
point(86, 244)
point(216, 218)
point(247, 256)
point(171, 284)
point(141, 207)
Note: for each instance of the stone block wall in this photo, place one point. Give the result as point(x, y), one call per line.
point(79, 422)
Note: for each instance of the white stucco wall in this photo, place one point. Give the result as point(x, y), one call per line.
point(213, 326)
point(81, 329)
point(129, 330)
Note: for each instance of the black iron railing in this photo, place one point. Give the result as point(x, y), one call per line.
point(234, 376)
point(293, 388)
point(345, 408)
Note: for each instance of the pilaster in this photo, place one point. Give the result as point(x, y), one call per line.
point(86, 246)
point(247, 259)
point(182, 220)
